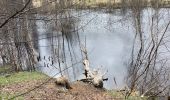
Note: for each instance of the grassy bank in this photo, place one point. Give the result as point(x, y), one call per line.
point(120, 95)
point(15, 80)
point(5, 69)
point(22, 82)
point(21, 77)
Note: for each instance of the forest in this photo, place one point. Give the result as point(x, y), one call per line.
point(84, 49)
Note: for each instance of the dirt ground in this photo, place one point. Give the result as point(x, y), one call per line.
point(50, 91)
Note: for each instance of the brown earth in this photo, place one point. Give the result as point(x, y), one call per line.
point(50, 91)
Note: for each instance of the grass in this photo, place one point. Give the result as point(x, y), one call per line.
point(96, 3)
point(4, 69)
point(18, 78)
point(115, 94)
point(137, 98)
point(119, 95)
point(21, 77)
point(4, 96)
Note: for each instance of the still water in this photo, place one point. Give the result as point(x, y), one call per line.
point(109, 38)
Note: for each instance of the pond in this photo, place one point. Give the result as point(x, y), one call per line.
point(109, 40)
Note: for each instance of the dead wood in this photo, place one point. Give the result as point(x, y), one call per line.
point(94, 77)
point(63, 81)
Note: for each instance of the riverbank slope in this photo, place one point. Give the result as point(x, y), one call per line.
point(35, 85)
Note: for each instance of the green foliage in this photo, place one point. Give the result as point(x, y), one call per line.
point(21, 77)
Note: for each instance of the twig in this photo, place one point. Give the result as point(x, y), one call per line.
point(6, 21)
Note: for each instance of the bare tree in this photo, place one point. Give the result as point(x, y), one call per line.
point(147, 71)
